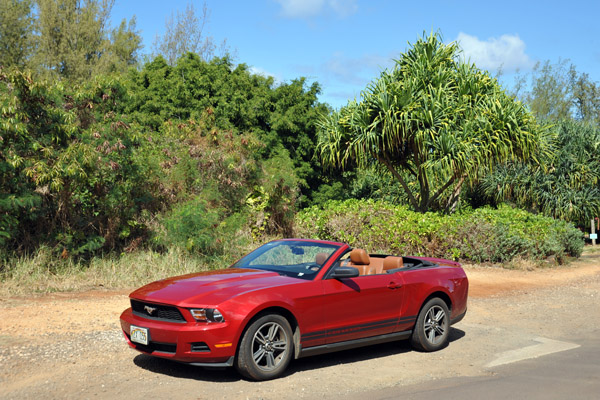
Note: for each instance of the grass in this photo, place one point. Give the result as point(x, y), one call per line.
point(589, 249)
point(44, 273)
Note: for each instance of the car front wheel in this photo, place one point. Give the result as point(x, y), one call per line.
point(432, 327)
point(266, 348)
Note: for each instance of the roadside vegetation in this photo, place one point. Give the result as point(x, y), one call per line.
point(117, 168)
point(483, 235)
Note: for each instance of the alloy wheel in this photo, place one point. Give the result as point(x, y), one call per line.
point(270, 345)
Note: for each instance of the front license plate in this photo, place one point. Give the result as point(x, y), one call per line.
point(138, 334)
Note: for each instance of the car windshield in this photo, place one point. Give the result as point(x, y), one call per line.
point(296, 258)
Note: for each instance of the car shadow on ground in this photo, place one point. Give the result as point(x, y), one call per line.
point(359, 354)
point(184, 371)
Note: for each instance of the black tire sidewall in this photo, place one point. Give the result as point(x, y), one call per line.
point(418, 339)
point(245, 363)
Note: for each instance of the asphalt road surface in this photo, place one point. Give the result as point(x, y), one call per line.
point(570, 374)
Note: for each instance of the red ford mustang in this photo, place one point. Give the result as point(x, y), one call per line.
point(294, 298)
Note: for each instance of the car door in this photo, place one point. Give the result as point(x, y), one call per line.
point(361, 307)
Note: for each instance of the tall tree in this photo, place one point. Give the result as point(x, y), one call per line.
point(433, 121)
point(550, 97)
point(185, 33)
point(122, 51)
point(16, 32)
point(585, 97)
point(74, 39)
point(557, 91)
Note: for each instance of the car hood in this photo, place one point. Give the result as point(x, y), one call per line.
point(209, 288)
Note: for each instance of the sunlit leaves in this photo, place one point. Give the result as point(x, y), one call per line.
point(434, 122)
point(74, 41)
point(566, 184)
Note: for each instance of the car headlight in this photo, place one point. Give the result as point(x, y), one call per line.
point(207, 315)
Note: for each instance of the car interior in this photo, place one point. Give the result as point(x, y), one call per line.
point(379, 264)
point(366, 265)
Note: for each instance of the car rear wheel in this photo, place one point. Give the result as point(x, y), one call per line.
point(266, 348)
point(432, 327)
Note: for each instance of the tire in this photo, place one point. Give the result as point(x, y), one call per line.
point(433, 326)
point(266, 348)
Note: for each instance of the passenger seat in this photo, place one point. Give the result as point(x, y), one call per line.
point(392, 262)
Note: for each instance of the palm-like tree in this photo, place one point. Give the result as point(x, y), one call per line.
point(433, 121)
point(567, 188)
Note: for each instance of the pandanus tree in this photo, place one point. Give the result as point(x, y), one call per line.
point(567, 188)
point(435, 122)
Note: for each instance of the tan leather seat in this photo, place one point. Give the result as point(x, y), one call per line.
point(359, 257)
point(362, 269)
point(392, 262)
point(377, 265)
point(360, 260)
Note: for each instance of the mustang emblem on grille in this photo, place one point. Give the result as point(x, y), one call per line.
point(149, 309)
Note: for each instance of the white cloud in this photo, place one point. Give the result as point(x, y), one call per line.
point(311, 8)
point(506, 52)
point(266, 74)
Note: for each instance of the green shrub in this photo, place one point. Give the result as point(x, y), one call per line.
point(198, 228)
point(82, 177)
point(481, 235)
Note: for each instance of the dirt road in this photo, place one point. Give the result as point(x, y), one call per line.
point(70, 345)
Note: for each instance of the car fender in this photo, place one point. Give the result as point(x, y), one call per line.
point(254, 304)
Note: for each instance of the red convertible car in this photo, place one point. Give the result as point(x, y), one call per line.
point(293, 298)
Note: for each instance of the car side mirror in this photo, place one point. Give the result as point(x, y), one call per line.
point(344, 272)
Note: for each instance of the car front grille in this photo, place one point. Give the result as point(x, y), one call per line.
point(156, 311)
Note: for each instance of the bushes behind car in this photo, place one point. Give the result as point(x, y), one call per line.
point(486, 234)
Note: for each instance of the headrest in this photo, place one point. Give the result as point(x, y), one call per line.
point(320, 258)
point(392, 262)
point(359, 256)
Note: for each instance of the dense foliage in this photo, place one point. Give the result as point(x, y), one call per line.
point(482, 235)
point(16, 32)
point(283, 117)
point(100, 153)
point(66, 39)
point(565, 186)
point(433, 121)
point(93, 167)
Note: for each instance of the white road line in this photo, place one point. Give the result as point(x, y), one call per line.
point(545, 347)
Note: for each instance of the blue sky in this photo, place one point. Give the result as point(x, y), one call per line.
point(344, 44)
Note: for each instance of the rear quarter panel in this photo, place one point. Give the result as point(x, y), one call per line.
point(419, 284)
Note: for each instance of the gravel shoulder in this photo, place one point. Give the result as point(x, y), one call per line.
point(69, 345)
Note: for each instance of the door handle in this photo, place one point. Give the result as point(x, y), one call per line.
point(394, 285)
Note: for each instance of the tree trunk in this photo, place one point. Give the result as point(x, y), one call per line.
point(455, 197)
point(396, 175)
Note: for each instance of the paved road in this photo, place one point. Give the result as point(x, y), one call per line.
point(571, 374)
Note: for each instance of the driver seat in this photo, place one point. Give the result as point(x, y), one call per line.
point(360, 260)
